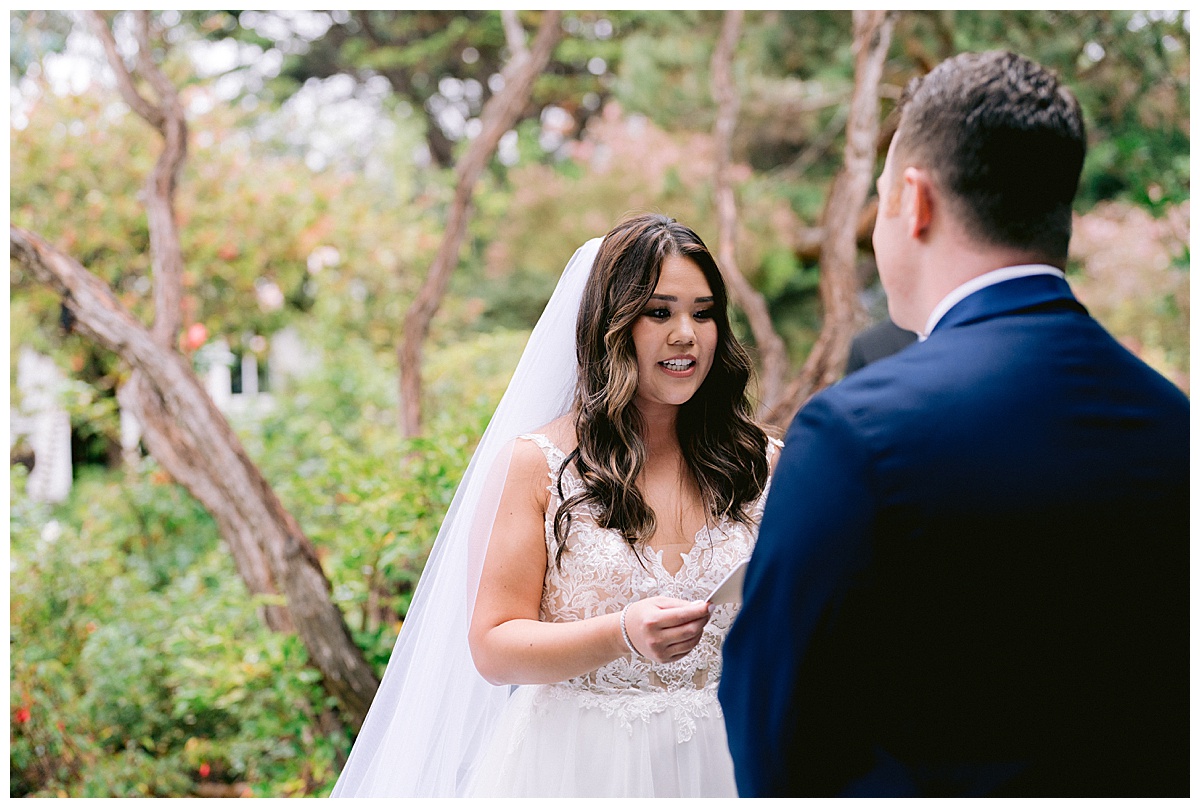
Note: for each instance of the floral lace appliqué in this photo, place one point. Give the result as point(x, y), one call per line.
point(601, 573)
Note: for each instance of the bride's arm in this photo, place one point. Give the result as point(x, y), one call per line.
point(510, 645)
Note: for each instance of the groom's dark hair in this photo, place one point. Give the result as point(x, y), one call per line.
point(1004, 140)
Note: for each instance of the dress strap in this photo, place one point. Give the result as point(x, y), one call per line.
point(555, 457)
point(777, 445)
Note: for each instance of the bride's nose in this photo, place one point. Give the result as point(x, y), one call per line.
point(683, 333)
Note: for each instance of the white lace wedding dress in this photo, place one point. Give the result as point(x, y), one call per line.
point(630, 728)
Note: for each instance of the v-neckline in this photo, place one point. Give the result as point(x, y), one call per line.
point(647, 549)
point(683, 557)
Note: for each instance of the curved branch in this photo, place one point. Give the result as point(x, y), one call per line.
point(166, 253)
point(772, 353)
point(839, 285)
point(500, 113)
point(148, 111)
point(514, 35)
point(241, 500)
point(168, 97)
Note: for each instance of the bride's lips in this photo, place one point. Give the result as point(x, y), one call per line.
point(681, 367)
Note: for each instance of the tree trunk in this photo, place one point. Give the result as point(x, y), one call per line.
point(771, 351)
point(839, 286)
point(166, 261)
point(252, 519)
point(176, 452)
point(182, 427)
point(166, 256)
point(500, 113)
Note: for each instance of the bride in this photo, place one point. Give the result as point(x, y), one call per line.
point(559, 643)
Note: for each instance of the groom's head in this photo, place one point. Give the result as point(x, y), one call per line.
point(987, 155)
point(1004, 141)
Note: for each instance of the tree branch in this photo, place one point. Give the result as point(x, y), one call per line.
point(514, 35)
point(252, 519)
point(817, 146)
point(771, 350)
point(500, 113)
point(166, 254)
point(839, 285)
point(148, 111)
point(364, 19)
point(167, 95)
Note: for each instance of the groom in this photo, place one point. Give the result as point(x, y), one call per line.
point(972, 573)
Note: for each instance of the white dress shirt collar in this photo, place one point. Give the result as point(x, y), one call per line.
point(982, 282)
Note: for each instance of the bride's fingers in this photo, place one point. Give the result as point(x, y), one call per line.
point(686, 632)
point(676, 632)
point(664, 646)
point(681, 649)
point(675, 642)
point(683, 614)
point(658, 623)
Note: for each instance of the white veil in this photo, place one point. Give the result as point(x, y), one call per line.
point(434, 713)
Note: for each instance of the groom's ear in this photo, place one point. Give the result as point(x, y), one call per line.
point(918, 187)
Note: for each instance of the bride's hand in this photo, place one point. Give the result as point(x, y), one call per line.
point(665, 629)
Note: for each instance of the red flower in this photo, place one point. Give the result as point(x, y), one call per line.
point(204, 769)
point(22, 715)
point(195, 336)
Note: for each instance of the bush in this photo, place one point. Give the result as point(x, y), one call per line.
point(139, 666)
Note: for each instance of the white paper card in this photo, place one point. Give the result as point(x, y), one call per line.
point(730, 589)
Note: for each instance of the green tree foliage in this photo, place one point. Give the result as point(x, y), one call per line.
point(1130, 70)
point(442, 64)
point(258, 231)
point(33, 34)
point(247, 218)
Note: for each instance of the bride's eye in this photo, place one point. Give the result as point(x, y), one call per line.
point(704, 314)
point(658, 314)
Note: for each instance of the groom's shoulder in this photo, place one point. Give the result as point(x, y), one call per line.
point(884, 381)
point(896, 393)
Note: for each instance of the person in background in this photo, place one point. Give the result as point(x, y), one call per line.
point(871, 344)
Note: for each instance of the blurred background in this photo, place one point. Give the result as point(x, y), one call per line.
point(328, 154)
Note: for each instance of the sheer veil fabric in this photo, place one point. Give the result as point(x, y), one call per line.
point(434, 713)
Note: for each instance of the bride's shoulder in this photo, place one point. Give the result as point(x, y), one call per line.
point(560, 433)
point(540, 452)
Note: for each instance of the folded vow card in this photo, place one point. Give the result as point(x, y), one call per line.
point(730, 589)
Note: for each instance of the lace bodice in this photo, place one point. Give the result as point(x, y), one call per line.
point(601, 573)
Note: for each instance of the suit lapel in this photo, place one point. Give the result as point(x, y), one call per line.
point(1009, 297)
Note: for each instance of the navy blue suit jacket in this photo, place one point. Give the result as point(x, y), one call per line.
point(972, 574)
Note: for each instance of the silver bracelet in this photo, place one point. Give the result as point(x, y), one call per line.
point(625, 631)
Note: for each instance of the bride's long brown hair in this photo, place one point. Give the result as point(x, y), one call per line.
point(723, 448)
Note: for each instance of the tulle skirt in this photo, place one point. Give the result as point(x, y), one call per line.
point(625, 746)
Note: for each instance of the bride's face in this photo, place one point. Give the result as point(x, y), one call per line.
point(675, 336)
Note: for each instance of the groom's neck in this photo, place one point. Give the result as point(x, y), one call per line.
point(957, 258)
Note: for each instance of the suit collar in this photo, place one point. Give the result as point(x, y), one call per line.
point(1008, 297)
point(981, 281)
